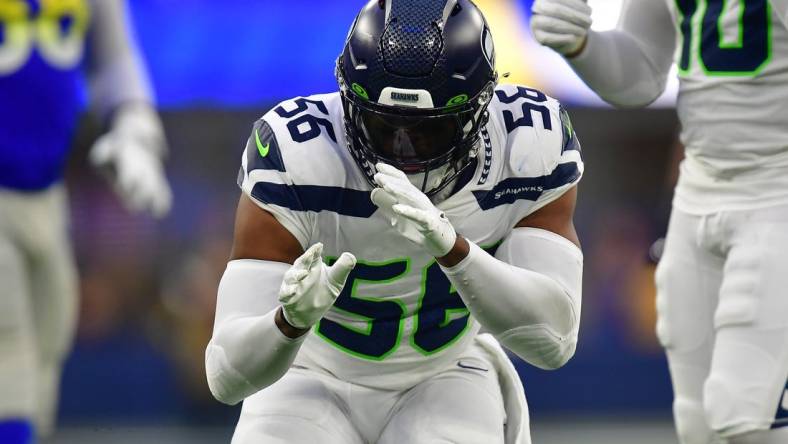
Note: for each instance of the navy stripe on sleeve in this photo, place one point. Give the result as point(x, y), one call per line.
point(513, 189)
point(571, 144)
point(316, 198)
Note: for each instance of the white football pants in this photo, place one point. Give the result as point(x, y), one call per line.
point(722, 303)
point(38, 303)
point(462, 404)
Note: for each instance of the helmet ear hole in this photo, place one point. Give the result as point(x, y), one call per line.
point(382, 4)
point(456, 10)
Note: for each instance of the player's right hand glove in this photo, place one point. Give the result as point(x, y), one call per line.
point(411, 212)
point(561, 24)
point(310, 287)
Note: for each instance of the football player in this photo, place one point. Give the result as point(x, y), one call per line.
point(43, 59)
point(381, 226)
point(723, 314)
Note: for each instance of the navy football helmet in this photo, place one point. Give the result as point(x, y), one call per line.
point(416, 77)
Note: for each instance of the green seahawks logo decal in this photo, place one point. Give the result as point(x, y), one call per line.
point(358, 89)
point(458, 100)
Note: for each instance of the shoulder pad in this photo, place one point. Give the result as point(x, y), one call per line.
point(293, 160)
point(537, 130)
point(539, 148)
point(294, 138)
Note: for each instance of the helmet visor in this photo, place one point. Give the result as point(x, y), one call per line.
point(409, 140)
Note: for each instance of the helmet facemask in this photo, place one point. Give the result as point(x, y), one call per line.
point(431, 145)
point(416, 78)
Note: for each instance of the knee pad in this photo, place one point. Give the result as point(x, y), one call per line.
point(691, 423)
point(732, 408)
point(55, 306)
point(744, 386)
point(17, 375)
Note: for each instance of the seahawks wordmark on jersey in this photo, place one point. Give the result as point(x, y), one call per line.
point(398, 319)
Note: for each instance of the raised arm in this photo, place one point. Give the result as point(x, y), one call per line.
point(626, 67)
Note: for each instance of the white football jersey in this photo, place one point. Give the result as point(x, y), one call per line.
point(733, 104)
point(398, 319)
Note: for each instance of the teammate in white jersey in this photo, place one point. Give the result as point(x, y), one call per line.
point(723, 312)
point(371, 335)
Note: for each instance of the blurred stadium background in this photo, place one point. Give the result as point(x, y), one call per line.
point(148, 288)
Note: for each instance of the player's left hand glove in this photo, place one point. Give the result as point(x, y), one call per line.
point(411, 212)
point(130, 156)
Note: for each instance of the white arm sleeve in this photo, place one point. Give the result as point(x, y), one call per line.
point(247, 351)
point(629, 67)
point(116, 70)
point(528, 296)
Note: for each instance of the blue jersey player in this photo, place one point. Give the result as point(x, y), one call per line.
point(382, 226)
point(50, 49)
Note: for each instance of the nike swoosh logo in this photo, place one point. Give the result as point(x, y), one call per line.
point(262, 149)
point(470, 367)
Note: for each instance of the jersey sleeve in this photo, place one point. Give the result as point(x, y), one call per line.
point(629, 66)
point(567, 166)
point(542, 149)
point(265, 179)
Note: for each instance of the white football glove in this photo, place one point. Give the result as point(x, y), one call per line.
point(310, 287)
point(561, 24)
point(411, 212)
point(130, 156)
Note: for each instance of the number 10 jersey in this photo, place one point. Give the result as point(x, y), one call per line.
point(733, 104)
